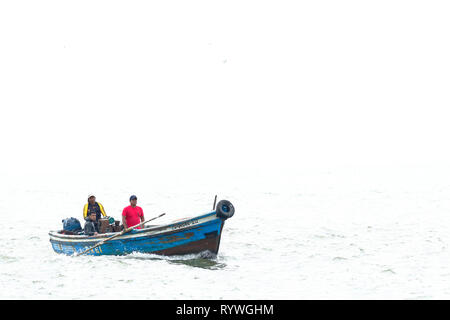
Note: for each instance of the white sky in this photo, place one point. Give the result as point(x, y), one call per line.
point(110, 85)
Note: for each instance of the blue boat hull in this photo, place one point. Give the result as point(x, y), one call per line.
point(192, 235)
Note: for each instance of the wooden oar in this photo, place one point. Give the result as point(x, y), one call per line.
point(117, 235)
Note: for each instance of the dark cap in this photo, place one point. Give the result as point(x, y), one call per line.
point(133, 197)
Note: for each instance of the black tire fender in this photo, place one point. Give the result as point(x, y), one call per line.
point(224, 209)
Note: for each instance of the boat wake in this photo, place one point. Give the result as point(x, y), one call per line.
point(204, 259)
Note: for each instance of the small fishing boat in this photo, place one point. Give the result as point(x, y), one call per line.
point(184, 236)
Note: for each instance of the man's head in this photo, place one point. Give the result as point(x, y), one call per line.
point(133, 200)
point(91, 198)
point(93, 216)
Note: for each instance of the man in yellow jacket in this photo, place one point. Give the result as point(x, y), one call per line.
point(93, 206)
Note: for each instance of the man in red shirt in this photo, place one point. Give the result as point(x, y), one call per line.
point(132, 215)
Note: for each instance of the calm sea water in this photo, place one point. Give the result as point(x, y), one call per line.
point(349, 233)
